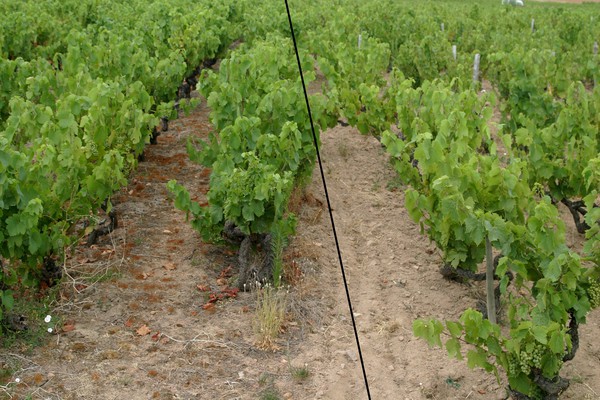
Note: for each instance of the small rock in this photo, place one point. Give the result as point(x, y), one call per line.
point(501, 395)
point(351, 354)
point(401, 338)
point(391, 367)
point(287, 395)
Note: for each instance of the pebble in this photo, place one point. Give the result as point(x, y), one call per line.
point(287, 395)
point(351, 354)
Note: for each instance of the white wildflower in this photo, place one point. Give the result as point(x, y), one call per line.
point(48, 318)
point(49, 330)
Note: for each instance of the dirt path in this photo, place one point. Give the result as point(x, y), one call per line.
point(393, 279)
point(141, 332)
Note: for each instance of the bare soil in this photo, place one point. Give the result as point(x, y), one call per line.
point(141, 331)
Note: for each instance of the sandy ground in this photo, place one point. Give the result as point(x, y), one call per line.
point(141, 332)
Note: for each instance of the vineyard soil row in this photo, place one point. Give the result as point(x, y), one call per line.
point(141, 331)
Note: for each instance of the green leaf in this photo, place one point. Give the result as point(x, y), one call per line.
point(35, 242)
point(15, 225)
point(478, 358)
point(493, 346)
point(520, 383)
point(556, 343)
point(429, 330)
point(540, 333)
point(454, 328)
point(248, 212)
point(553, 270)
point(453, 348)
point(8, 300)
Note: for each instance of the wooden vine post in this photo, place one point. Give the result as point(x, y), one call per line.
point(595, 50)
point(489, 282)
point(476, 68)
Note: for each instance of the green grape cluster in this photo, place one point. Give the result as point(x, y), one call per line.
point(594, 293)
point(525, 362)
point(92, 149)
point(513, 365)
point(532, 359)
point(538, 189)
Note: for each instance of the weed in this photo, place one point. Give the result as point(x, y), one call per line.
point(196, 261)
point(395, 184)
point(25, 327)
point(300, 374)
point(108, 275)
point(264, 379)
point(270, 315)
point(343, 151)
point(270, 393)
point(279, 241)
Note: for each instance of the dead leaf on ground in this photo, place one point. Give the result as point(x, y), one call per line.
point(80, 287)
point(143, 276)
point(226, 273)
point(210, 307)
point(203, 288)
point(143, 330)
point(170, 266)
point(222, 282)
point(68, 328)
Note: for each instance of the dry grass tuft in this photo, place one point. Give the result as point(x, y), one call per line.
point(270, 316)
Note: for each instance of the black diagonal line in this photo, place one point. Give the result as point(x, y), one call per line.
point(337, 244)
